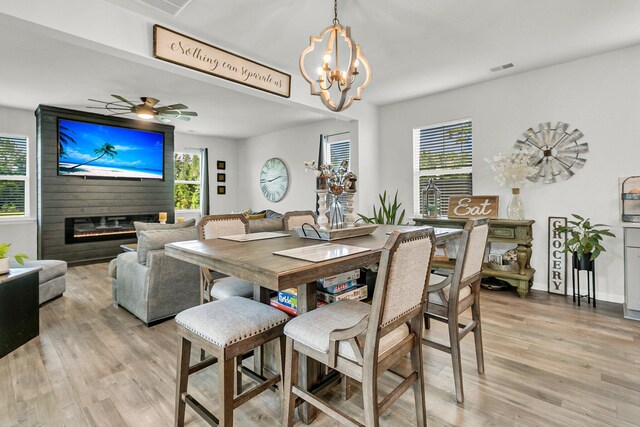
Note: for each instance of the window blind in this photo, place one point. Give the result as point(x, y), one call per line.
point(443, 152)
point(338, 149)
point(13, 176)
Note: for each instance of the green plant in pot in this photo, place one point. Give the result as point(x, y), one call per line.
point(584, 240)
point(4, 258)
point(388, 212)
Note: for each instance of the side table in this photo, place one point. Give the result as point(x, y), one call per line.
point(19, 315)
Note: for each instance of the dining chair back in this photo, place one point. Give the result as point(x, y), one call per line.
point(293, 219)
point(214, 226)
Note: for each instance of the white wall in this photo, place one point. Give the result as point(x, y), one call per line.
point(218, 149)
point(598, 95)
point(293, 146)
point(22, 233)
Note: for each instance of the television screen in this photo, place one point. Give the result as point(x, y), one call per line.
point(103, 151)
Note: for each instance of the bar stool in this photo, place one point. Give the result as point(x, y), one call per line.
point(212, 227)
point(362, 341)
point(226, 329)
point(454, 294)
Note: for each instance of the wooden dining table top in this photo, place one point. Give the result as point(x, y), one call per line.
point(256, 262)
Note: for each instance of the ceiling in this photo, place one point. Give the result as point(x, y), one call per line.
point(415, 47)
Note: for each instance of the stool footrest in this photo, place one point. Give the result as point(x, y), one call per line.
point(320, 404)
point(203, 364)
point(200, 410)
point(250, 394)
point(257, 377)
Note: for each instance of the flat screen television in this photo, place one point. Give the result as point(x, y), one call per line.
point(88, 149)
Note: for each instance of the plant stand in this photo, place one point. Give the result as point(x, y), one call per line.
point(585, 264)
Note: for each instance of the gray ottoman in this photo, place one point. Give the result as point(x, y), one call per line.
point(52, 279)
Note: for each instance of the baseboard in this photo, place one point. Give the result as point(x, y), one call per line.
point(601, 296)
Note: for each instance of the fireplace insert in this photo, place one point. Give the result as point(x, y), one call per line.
point(105, 227)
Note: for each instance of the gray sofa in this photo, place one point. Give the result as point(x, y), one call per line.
point(151, 285)
point(52, 278)
point(271, 222)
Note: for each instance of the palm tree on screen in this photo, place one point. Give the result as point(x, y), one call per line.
point(105, 150)
point(65, 139)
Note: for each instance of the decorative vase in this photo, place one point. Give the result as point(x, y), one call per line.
point(515, 209)
point(4, 265)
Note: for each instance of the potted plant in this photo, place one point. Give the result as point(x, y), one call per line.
point(4, 259)
point(584, 240)
point(387, 213)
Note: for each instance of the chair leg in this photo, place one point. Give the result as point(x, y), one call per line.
point(370, 398)
point(477, 336)
point(238, 376)
point(345, 385)
point(456, 362)
point(182, 379)
point(427, 322)
point(280, 361)
point(290, 379)
point(225, 386)
point(418, 386)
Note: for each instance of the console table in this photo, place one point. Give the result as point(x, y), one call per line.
point(19, 315)
point(500, 231)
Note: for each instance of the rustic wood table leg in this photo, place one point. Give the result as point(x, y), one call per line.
point(522, 258)
point(308, 371)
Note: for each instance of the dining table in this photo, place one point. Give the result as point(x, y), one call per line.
point(257, 262)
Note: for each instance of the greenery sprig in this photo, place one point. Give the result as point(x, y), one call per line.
point(386, 213)
point(4, 251)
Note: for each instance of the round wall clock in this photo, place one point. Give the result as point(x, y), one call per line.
point(554, 150)
point(274, 179)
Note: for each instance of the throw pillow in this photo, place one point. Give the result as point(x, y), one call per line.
point(256, 216)
point(145, 226)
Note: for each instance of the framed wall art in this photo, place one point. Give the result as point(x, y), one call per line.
point(221, 165)
point(222, 189)
point(557, 271)
point(222, 177)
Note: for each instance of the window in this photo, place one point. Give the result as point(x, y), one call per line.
point(187, 181)
point(337, 148)
point(14, 179)
point(442, 152)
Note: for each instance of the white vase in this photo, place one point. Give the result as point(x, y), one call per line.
point(515, 209)
point(4, 265)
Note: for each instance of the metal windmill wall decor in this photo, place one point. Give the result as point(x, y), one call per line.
point(556, 151)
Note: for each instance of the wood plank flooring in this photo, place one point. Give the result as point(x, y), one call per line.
point(548, 363)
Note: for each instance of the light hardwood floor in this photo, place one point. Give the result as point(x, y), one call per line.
point(548, 363)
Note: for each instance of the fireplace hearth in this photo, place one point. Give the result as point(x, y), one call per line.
point(105, 227)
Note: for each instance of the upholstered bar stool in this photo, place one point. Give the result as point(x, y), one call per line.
point(212, 227)
point(293, 219)
point(363, 341)
point(454, 294)
point(226, 329)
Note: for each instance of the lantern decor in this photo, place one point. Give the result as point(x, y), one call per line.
point(340, 66)
point(334, 182)
point(431, 196)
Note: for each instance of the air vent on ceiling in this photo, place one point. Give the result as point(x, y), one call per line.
point(502, 67)
point(172, 7)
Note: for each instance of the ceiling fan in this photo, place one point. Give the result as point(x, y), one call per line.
point(146, 110)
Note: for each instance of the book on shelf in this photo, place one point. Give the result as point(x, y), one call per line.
point(334, 289)
point(358, 293)
point(339, 278)
point(288, 298)
point(290, 310)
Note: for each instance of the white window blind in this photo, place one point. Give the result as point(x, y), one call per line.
point(338, 149)
point(14, 179)
point(442, 152)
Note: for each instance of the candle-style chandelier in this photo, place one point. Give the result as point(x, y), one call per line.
point(337, 87)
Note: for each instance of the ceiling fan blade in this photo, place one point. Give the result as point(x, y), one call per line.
point(120, 98)
point(149, 101)
point(185, 118)
point(188, 113)
point(173, 107)
point(163, 119)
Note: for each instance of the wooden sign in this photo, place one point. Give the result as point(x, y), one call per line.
point(179, 49)
point(557, 277)
point(473, 206)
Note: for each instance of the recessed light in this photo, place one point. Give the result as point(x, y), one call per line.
point(502, 67)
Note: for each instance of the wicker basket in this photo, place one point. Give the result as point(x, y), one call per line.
point(514, 268)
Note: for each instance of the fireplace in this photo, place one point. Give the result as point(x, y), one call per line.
point(100, 228)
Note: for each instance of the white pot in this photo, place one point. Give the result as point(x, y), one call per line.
point(4, 265)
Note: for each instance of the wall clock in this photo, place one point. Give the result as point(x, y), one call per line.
point(554, 150)
point(274, 179)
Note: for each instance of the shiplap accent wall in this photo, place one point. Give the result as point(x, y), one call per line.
point(61, 197)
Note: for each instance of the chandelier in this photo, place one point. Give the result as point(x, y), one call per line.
point(337, 87)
